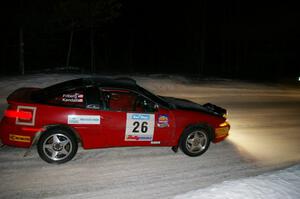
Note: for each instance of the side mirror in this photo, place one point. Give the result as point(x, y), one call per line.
point(156, 107)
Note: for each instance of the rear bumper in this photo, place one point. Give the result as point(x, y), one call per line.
point(13, 135)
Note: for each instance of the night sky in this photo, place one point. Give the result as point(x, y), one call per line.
point(232, 38)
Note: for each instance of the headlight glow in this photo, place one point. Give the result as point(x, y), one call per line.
point(224, 124)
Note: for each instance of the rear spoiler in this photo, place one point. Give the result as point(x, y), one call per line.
point(21, 95)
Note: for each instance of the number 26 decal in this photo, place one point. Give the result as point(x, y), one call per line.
point(138, 127)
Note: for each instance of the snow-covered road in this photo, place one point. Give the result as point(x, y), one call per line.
point(275, 185)
point(264, 136)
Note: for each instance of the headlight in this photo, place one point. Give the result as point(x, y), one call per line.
point(224, 124)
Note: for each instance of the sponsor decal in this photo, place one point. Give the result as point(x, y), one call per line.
point(138, 138)
point(19, 138)
point(131, 137)
point(163, 121)
point(139, 127)
point(83, 119)
point(140, 116)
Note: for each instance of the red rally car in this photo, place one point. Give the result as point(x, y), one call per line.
point(107, 112)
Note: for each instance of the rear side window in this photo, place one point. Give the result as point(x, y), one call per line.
point(94, 99)
point(72, 98)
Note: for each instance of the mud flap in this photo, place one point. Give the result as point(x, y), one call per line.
point(34, 141)
point(175, 149)
point(1, 144)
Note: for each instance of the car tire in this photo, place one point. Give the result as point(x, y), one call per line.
point(195, 140)
point(57, 145)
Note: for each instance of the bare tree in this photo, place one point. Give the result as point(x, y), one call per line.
point(77, 15)
point(21, 40)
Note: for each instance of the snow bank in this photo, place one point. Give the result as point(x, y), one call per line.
point(280, 184)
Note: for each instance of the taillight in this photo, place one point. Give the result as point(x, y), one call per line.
point(23, 115)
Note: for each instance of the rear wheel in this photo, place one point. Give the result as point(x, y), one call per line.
point(57, 145)
point(195, 140)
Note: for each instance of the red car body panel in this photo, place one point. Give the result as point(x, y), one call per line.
point(108, 132)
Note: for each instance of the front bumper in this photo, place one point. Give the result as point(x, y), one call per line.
point(221, 133)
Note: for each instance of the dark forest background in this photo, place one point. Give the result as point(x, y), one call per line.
point(232, 38)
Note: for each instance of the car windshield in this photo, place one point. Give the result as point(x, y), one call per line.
point(156, 98)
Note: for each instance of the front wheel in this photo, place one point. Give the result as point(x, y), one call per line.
point(57, 145)
point(195, 140)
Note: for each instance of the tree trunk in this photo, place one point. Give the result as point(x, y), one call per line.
point(69, 49)
point(202, 56)
point(130, 52)
point(93, 69)
point(203, 39)
point(237, 57)
point(21, 58)
point(223, 55)
point(229, 55)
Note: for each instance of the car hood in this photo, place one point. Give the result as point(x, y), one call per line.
point(184, 104)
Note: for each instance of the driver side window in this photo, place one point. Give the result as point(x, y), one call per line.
point(119, 100)
point(124, 100)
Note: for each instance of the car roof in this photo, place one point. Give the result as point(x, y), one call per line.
point(120, 82)
point(105, 82)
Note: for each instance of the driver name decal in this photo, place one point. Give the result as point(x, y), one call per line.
point(139, 127)
point(77, 97)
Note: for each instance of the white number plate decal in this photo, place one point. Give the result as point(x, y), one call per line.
point(139, 127)
point(83, 119)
